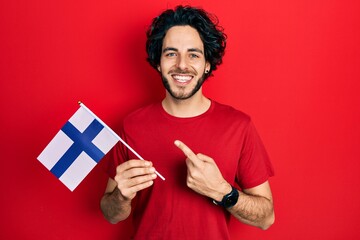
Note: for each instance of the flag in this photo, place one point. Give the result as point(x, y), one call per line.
point(76, 149)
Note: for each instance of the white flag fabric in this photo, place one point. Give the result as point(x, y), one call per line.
point(75, 150)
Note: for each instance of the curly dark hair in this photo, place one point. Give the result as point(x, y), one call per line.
point(211, 34)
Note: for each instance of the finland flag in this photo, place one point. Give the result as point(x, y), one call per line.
point(75, 150)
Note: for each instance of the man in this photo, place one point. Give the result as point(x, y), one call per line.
point(213, 160)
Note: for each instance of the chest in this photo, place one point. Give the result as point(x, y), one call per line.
point(155, 142)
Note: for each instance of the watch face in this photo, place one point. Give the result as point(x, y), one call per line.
point(230, 199)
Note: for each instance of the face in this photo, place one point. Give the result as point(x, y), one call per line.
point(182, 63)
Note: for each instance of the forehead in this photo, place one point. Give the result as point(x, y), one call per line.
point(182, 37)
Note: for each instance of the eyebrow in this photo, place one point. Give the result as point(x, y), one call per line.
point(176, 50)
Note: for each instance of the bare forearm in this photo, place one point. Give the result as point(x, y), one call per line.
point(254, 210)
point(114, 207)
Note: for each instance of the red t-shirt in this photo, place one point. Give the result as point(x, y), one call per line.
point(169, 209)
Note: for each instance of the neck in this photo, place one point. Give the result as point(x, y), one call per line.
point(191, 107)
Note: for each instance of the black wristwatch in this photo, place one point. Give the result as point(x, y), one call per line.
point(229, 199)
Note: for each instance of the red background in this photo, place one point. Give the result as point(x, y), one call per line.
point(294, 66)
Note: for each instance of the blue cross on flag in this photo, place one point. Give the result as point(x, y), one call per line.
point(75, 150)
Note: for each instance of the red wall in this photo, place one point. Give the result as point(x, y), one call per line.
point(294, 66)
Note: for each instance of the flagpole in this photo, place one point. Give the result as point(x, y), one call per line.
point(117, 136)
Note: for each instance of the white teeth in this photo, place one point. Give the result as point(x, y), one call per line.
point(182, 78)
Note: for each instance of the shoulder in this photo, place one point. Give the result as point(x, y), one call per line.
point(143, 113)
point(229, 112)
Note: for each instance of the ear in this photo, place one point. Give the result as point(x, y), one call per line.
point(207, 67)
point(159, 68)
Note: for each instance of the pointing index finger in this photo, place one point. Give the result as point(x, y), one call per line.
point(186, 150)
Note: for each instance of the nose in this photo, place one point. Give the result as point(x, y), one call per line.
point(181, 62)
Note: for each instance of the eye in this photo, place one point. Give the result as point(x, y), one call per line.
point(193, 55)
point(170, 54)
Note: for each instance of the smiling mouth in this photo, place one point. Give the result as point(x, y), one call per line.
point(182, 78)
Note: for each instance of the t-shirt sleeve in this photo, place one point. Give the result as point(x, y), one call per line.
point(254, 166)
